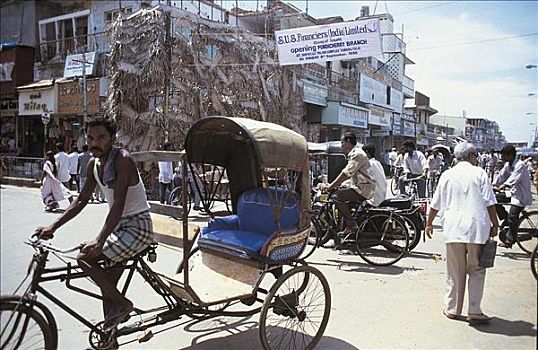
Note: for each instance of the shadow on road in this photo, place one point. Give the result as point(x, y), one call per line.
point(507, 327)
point(354, 266)
point(514, 256)
point(232, 333)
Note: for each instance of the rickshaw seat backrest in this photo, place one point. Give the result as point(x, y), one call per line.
point(255, 210)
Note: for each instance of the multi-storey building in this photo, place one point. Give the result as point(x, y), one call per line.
point(364, 95)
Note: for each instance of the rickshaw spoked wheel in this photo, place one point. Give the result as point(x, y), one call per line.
point(296, 311)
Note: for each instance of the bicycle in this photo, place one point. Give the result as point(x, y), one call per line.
point(527, 227)
point(28, 323)
point(432, 182)
point(381, 238)
point(397, 171)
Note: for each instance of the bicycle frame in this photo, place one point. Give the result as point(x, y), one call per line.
point(71, 272)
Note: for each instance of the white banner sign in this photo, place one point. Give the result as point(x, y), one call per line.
point(332, 42)
point(73, 65)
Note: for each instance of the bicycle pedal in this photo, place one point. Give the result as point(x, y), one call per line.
point(144, 336)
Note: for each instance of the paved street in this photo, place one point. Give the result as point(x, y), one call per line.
point(396, 307)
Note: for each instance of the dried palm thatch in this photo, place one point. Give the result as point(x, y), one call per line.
point(208, 68)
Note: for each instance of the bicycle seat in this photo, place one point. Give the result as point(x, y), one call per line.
point(400, 202)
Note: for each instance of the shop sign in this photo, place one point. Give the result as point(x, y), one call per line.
point(408, 128)
point(35, 102)
point(362, 133)
point(378, 117)
point(9, 105)
point(350, 115)
point(314, 93)
point(329, 42)
point(71, 97)
point(380, 132)
point(74, 63)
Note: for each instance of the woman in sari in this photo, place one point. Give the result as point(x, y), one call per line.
point(52, 190)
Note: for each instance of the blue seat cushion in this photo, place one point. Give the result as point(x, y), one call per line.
point(230, 222)
point(249, 242)
point(255, 211)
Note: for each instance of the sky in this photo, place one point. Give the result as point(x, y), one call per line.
point(469, 55)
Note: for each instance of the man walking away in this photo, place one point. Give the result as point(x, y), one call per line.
point(465, 200)
point(62, 164)
point(514, 176)
point(73, 169)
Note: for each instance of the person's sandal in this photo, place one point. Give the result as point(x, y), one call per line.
point(478, 319)
point(452, 316)
point(505, 245)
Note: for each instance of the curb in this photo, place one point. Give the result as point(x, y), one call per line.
point(19, 181)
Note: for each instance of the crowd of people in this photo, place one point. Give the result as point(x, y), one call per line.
point(63, 173)
point(468, 199)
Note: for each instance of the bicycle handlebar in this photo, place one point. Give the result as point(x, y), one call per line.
point(41, 243)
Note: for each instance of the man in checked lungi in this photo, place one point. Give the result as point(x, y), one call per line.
point(127, 230)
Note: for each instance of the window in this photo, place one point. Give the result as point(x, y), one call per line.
point(63, 35)
point(110, 16)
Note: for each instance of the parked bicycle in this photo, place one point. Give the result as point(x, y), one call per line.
point(381, 239)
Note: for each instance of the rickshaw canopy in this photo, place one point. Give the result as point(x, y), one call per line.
point(247, 148)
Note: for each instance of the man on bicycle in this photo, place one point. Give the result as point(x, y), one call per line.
point(513, 175)
point(433, 169)
point(127, 229)
point(414, 163)
point(360, 186)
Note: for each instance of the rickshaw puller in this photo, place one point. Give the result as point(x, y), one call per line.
point(127, 230)
point(360, 186)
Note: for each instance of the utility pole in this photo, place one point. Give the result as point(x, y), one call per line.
point(84, 92)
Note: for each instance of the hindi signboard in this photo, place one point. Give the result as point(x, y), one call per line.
point(332, 42)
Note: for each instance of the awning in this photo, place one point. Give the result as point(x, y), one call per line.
point(42, 84)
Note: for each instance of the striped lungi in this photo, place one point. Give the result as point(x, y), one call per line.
point(131, 236)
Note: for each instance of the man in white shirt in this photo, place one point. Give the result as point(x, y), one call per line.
point(393, 155)
point(62, 164)
point(378, 175)
point(73, 169)
point(466, 202)
point(414, 164)
point(166, 171)
point(515, 176)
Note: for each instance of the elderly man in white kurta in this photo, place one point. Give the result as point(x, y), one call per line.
point(466, 203)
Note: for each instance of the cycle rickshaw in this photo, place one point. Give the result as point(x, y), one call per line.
point(253, 252)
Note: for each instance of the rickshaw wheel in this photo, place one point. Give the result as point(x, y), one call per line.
point(296, 311)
